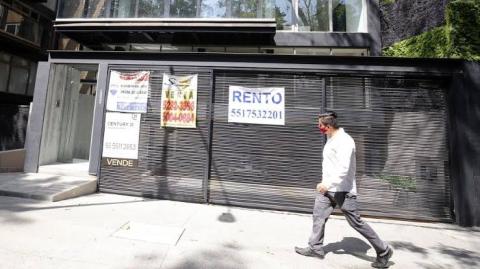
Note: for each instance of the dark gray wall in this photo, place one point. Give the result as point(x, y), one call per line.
point(465, 144)
point(14, 120)
point(405, 18)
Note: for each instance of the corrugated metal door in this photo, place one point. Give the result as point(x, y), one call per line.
point(172, 161)
point(267, 166)
point(399, 127)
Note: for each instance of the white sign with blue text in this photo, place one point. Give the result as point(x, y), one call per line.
point(256, 105)
point(128, 91)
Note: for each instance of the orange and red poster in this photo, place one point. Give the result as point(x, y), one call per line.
point(179, 101)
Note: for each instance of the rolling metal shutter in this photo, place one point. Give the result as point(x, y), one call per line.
point(400, 130)
point(267, 166)
point(171, 161)
point(399, 126)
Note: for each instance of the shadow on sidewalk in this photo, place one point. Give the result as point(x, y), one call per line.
point(12, 207)
point(351, 246)
point(225, 257)
point(402, 245)
point(465, 257)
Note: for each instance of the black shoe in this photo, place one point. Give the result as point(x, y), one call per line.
point(382, 261)
point(310, 252)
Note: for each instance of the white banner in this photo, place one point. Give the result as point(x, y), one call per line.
point(256, 105)
point(128, 91)
point(179, 101)
point(120, 139)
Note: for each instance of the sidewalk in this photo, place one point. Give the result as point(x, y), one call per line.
point(113, 231)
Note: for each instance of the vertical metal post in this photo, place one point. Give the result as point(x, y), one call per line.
point(324, 96)
point(98, 118)
point(36, 117)
point(210, 113)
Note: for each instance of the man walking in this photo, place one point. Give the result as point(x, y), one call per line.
point(338, 187)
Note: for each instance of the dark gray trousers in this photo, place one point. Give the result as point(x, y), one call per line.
point(348, 204)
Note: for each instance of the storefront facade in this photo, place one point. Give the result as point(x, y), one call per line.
point(415, 121)
point(396, 110)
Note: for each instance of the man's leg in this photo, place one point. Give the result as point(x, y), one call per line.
point(321, 211)
point(349, 208)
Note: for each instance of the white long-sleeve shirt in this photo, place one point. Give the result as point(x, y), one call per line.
point(339, 163)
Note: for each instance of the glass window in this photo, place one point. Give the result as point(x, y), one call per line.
point(4, 71)
point(331, 15)
point(150, 8)
point(339, 16)
point(313, 15)
point(13, 22)
point(98, 8)
point(245, 9)
point(31, 78)
point(284, 14)
point(2, 15)
point(71, 9)
point(18, 83)
point(17, 24)
point(213, 9)
point(183, 8)
point(29, 30)
point(355, 16)
point(121, 8)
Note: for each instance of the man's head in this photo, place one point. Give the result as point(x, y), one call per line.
point(327, 122)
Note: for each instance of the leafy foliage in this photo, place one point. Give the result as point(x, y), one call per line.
point(431, 44)
point(459, 38)
point(463, 29)
point(280, 18)
point(400, 182)
point(387, 1)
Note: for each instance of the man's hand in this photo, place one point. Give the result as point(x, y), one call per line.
point(321, 188)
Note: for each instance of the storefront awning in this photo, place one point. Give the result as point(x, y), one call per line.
point(178, 31)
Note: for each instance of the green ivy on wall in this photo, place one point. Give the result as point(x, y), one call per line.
point(387, 1)
point(431, 44)
point(459, 38)
point(463, 29)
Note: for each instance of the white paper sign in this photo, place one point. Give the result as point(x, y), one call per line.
point(128, 91)
point(256, 105)
point(122, 132)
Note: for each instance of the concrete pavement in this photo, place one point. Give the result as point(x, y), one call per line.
point(113, 231)
point(46, 187)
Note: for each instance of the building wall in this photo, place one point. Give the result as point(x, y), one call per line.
point(465, 145)
point(24, 37)
point(405, 18)
point(14, 126)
